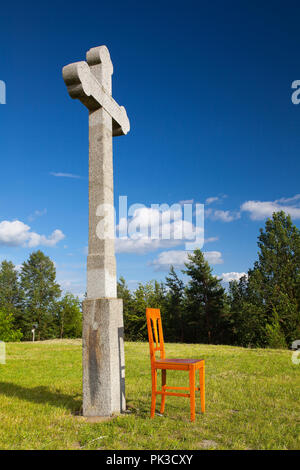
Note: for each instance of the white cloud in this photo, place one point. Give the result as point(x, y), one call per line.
point(211, 239)
point(259, 210)
point(142, 245)
point(16, 233)
point(213, 257)
point(35, 239)
point(165, 259)
point(223, 216)
point(13, 233)
point(65, 175)
point(210, 200)
point(226, 216)
point(151, 229)
point(36, 214)
point(233, 276)
point(287, 200)
point(177, 258)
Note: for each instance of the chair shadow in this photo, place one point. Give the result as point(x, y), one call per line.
point(42, 395)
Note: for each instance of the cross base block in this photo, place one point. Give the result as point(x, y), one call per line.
point(103, 357)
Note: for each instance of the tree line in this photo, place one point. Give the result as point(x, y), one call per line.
point(32, 298)
point(262, 309)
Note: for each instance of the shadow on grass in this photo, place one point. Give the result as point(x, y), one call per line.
point(42, 395)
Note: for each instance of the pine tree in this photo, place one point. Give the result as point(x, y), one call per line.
point(174, 307)
point(124, 293)
point(150, 294)
point(40, 294)
point(137, 322)
point(248, 319)
point(69, 317)
point(10, 294)
point(205, 301)
point(275, 335)
point(265, 307)
point(279, 269)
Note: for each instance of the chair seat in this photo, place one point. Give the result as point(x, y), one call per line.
point(177, 361)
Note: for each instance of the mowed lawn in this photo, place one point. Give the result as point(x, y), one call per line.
point(252, 399)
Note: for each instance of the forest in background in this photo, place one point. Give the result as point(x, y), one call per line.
point(262, 309)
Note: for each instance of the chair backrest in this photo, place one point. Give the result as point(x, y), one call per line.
point(155, 333)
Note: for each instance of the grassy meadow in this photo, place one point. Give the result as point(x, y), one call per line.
point(252, 401)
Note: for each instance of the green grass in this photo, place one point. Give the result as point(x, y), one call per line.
point(252, 399)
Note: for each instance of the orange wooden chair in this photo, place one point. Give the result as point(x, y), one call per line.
point(191, 365)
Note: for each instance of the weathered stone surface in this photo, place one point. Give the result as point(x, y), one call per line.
point(92, 86)
point(101, 266)
point(103, 357)
point(103, 348)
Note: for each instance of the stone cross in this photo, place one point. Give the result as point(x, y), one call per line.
point(103, 344)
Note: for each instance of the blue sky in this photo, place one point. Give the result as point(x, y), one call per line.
point(207, 88)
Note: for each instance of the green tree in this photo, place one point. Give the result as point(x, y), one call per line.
point(136, 324)
point(10, 295)
point(175, 324)
point(7, 330)
point(279, 268)
point(205, 302)
point(40, 295)
point(142, 297)
point(124, 293)
point(265, 307)
point(248, 319)
point(69, 316)
point(158, 298)
point(150, 294)
point(274, 334)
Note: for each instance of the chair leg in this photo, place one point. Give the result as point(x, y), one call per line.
point(202, 387)
point(192, 392)
point(154, 388)
point(163, 385)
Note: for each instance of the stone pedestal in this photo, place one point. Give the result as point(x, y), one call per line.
point(103, 357)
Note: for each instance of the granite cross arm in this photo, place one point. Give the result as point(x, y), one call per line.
point(83, 85)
